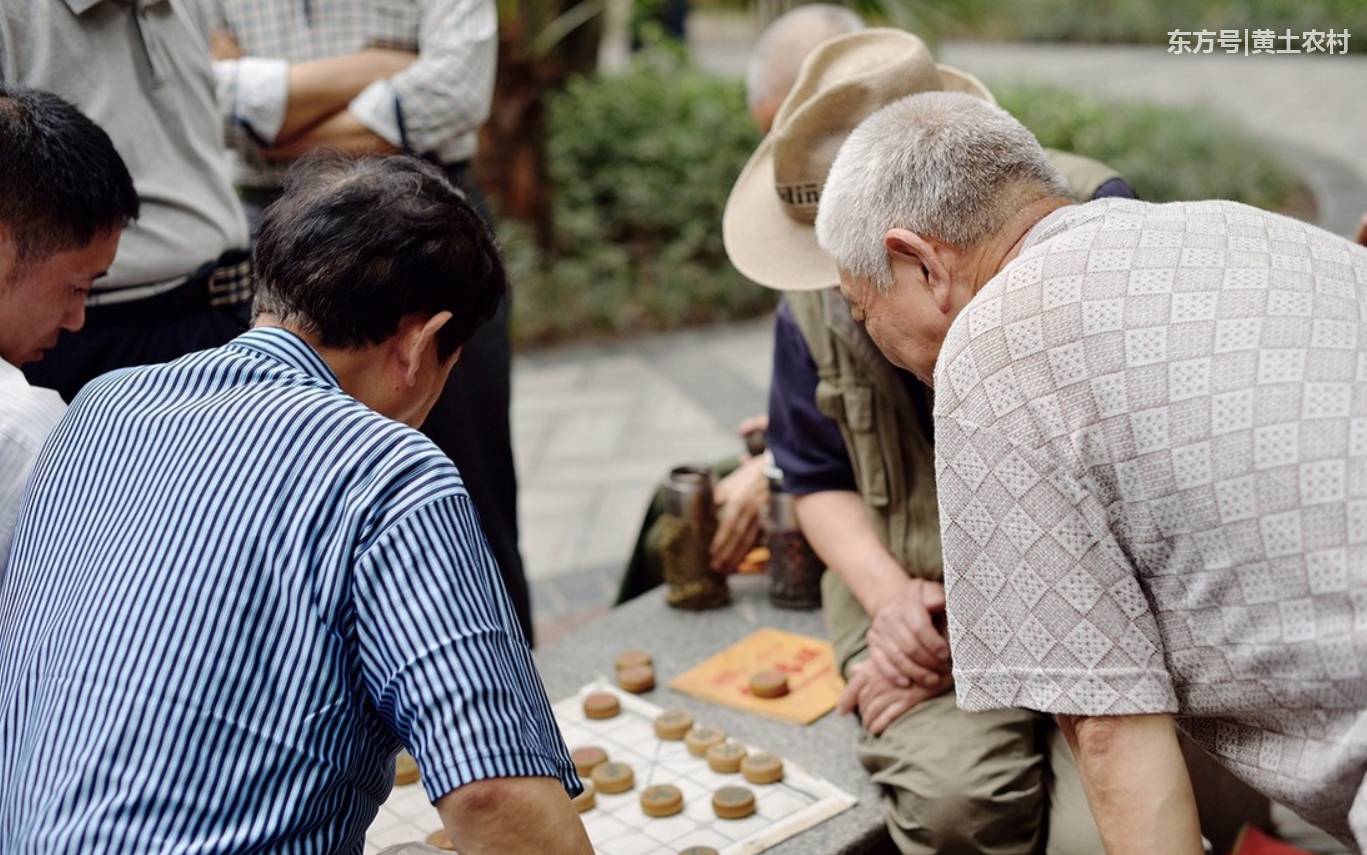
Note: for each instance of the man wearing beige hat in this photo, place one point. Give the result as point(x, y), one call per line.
point(1151, 458)
point(852, 435)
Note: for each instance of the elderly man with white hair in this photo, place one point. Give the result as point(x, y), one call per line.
point(782, 48)
point(852, 436)
point(1151, 456)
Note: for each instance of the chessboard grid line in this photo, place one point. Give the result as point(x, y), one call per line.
point(777, 804)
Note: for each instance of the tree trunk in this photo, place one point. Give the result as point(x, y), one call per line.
point(511, 165)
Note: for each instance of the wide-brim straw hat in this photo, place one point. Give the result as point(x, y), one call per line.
point(768, 223)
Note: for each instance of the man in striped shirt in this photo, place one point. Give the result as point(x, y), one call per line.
point(297, 76)
point(241, 580)
point(65, 196)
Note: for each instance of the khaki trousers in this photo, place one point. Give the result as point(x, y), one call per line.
point(998, 783)
point(994, 782)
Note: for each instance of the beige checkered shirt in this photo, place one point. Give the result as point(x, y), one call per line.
point(433, 108)
point(1151, 440)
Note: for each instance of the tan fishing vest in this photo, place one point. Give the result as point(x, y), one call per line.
point(881, 421)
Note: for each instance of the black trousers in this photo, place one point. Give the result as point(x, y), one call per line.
point(470, 422)
point(156, 330)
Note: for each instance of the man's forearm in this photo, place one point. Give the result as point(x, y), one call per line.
point(837, 525)
point(341, 131)
point(501, 815)
point(1136, 782)
point(324, 87)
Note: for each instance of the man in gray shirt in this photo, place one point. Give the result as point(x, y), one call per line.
point(1151, 460)
point(141, 70)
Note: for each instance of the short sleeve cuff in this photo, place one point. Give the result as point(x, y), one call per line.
point(809, 483)
point(377, 107)
point(480, 767)
point(1110, 691)
point(262, 95)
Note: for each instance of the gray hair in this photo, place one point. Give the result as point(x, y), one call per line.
point(940, 164)
point(784, 44)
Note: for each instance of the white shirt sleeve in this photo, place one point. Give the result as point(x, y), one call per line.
point(255, 91)
point(377, 108)
point(447, 92)
point(27, 415)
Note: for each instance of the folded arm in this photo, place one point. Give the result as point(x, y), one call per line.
point(271, 102)
point(448, 91)
point(1136, 782)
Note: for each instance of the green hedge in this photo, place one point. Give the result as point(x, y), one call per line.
point(642, 163)
point(1165, 153)
point(1150, 21)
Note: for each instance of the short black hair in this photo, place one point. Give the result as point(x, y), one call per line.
point(354, 245)
point(62, 182)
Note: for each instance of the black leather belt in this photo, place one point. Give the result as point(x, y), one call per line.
point(226, 281)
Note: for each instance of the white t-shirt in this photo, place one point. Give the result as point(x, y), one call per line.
point(27, 415)
point(1151, 454)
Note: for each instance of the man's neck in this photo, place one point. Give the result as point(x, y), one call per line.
point(350, 367)
point(360, 372)
point(1005, 245)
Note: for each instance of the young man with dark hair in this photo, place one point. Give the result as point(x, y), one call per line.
point(65, 196)
point(284, 581)
point(141, 71)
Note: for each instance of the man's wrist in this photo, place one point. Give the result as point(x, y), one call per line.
point(891, 582)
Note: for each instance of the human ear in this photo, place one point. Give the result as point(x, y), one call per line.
point(908, 248)
point(417, 339)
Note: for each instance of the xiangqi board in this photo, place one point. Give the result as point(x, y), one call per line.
point(617, 824)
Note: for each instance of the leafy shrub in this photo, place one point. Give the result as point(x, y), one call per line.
point(1165, 153)
point(1150, 21)
point(642, 163)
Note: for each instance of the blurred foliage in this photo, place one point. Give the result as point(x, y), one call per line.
point(641, 164)
point(1150, 21)
point(926, 18)
point(1120, 21)
point(1165, 153)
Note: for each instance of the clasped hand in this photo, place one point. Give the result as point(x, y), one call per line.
point(908, 658)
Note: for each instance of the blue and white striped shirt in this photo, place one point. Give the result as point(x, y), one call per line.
point(234, 591)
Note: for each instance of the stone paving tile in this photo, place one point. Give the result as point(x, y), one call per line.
point(695, 364)
point(562, 603)
point(547, 602)
point(589, 435)
point(552, 629)
point(609, 533)
point(597, 426)
point(547, 542)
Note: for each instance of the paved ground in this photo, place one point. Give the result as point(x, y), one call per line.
point(596, 426)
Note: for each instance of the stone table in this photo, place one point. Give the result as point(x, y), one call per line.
point(677, 640)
